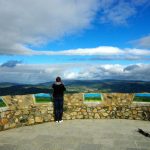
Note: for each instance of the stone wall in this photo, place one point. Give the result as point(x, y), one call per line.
point(23, 111)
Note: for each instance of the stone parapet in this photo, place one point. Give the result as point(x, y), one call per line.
point(23, 111)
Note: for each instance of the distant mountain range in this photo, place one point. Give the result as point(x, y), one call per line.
point(73, 86)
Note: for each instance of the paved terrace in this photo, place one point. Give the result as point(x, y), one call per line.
point(78, 135)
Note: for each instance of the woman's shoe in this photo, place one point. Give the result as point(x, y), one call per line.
point(61, 121)
point(56, 121)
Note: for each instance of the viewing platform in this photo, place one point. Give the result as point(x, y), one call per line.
point(81, 134)
point(110, 123)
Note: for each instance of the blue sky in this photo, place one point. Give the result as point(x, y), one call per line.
point(99, 39)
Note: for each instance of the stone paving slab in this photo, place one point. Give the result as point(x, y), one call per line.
point(7, 147)
point(88, 147)
point(78, 135)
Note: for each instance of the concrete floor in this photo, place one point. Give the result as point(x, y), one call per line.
point(78, 135)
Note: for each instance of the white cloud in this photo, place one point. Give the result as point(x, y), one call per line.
point(102, 50)
point(138, 51)
point(119, 11)
point(142, 42)
point(29, 73)
point(70, 75)
point(35, 22)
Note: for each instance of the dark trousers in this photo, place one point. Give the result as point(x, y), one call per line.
point(58, 108)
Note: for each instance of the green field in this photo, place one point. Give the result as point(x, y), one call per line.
point(92, 99)
point(43, 99)
point(141, 99)
point(2, 104)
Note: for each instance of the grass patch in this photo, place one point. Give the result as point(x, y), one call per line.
point(92, 99)
point(141, 99)
point(43, 99)
point(2, 104)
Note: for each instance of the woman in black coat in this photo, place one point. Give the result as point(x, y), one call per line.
point(58, 97)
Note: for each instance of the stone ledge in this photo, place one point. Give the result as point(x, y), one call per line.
point(92, 103)
point(45, 104)
point(3, 109)
point(140, 104)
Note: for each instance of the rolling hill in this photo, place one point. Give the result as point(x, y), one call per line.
point(73, 86)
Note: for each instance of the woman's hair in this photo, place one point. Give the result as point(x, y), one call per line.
point(58, 79)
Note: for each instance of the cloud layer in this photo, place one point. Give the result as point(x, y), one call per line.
point(104, 53)
point(29, 73)
point(29, 22)
point(36, 22)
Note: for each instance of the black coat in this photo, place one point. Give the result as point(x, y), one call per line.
point(58, 90)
